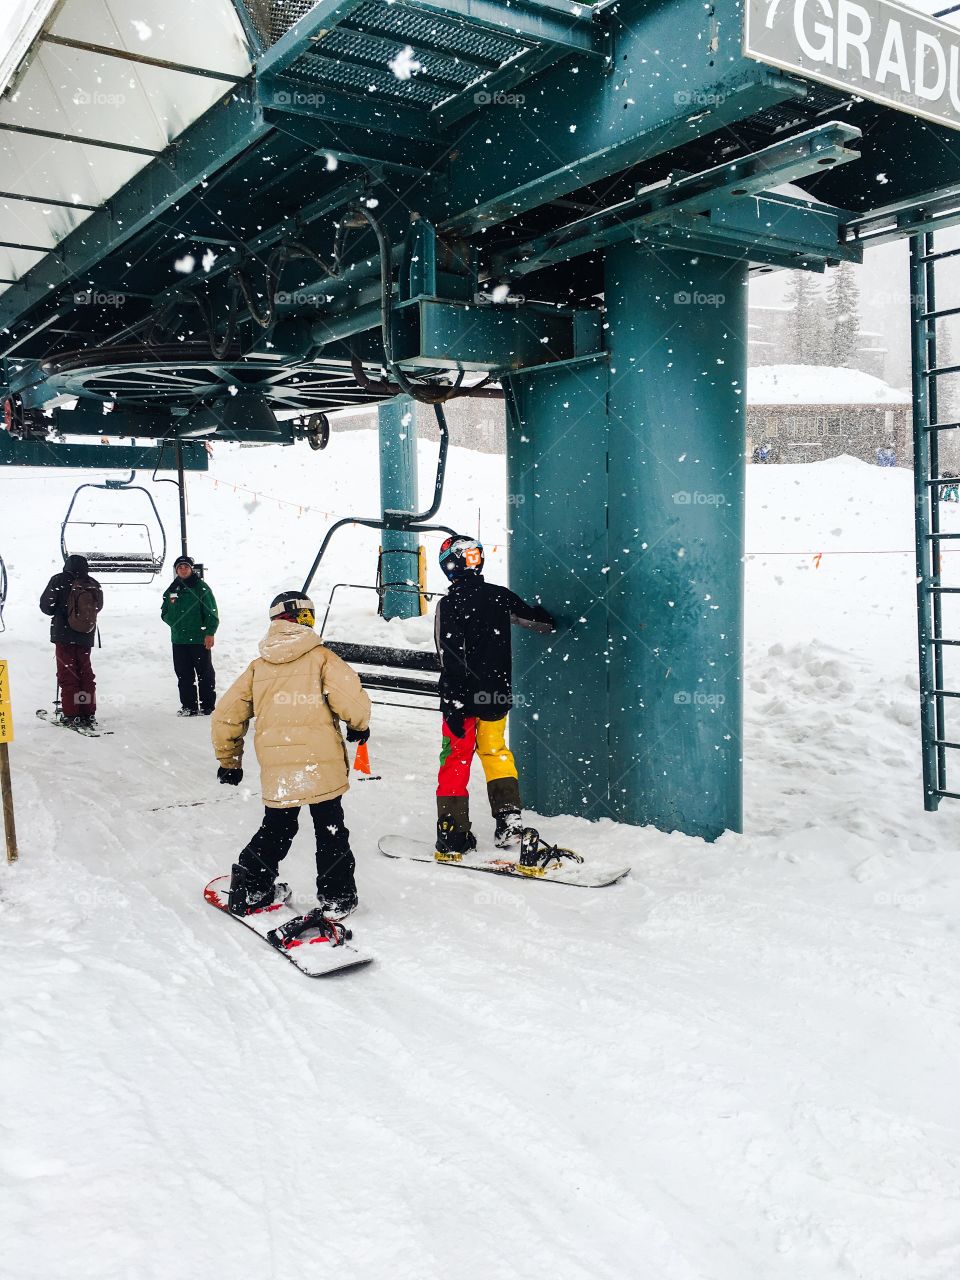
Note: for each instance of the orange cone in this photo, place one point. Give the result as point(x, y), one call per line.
point(361, 761)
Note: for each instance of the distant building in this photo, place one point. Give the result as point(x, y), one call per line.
point(804, 413)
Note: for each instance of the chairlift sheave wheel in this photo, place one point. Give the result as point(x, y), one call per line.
point(318, 431)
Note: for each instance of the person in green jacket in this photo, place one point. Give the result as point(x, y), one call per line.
point(190, 611)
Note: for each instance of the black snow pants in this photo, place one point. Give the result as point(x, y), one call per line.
point(271, 844)
point(193, 664)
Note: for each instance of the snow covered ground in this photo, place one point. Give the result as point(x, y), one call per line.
point(737, 1064)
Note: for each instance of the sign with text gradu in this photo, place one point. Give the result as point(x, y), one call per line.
point(873, 48)
point(6, 710)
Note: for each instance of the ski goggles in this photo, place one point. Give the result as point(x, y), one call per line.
point(301, 611)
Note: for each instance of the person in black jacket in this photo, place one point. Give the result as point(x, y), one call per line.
point(472, 632)
point(72, 600)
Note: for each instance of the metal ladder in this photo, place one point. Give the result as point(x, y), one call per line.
point(927, 483)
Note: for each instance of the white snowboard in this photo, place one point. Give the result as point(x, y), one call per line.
point(592, 873)
point(312, 955)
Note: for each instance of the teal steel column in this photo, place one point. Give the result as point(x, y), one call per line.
point(677, 408)
point(557, 521)
point(626, 494)
point(398, 492)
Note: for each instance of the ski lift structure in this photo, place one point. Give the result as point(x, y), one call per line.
point(3, 592)
point(383, 668)
point(130, 551)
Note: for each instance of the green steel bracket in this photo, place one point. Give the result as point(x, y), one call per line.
point(697, 194)
point(934, 210)
point(781, 162)
point(430, 268)
point(106, 457)
point(418, 262)
point(778, 230)
point(450, 335)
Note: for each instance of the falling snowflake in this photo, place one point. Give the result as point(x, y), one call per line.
point(185, 264)
point(141, 28)
point(404, 64)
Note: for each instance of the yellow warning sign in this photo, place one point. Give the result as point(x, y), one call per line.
point(6, 710)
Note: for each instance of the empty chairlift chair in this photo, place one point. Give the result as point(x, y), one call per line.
point(131, 551)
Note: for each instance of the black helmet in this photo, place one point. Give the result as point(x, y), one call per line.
point(460, 555)
point(293, 606)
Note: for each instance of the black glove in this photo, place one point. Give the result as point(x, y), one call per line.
point(230, 777)
point(357, 735)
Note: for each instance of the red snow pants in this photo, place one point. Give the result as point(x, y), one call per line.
point(78, 685)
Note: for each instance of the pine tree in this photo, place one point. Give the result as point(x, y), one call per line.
point(806, 329)
point(843, 297)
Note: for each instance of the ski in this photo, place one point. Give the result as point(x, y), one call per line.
point(313, 952)
point(588, 874)
point(59, 722)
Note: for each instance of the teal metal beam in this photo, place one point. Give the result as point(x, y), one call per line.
point(400, 561)
point(773, 229)
point(40, 453)
point(724, 186)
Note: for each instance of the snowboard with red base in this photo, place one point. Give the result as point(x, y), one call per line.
point(556, 865)
point(316, 952)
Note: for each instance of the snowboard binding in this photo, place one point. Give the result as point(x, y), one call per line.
point(537, 857)
point(292, 933)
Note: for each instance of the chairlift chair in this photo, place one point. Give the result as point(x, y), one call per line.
point(390, 664)
point(128, 566)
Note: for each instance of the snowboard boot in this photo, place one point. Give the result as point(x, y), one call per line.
point(453, 842)
point(296, 932)
point(187, 711)
point(537, 857)
point(509, 829)
point(454, 837)
point(336, 903)
point(247, 894)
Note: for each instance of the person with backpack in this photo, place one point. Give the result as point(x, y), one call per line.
point(298, 691)
point(190, 611)
point(72, 600)
point(472, 633)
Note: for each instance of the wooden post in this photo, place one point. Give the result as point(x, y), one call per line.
point(6, 788)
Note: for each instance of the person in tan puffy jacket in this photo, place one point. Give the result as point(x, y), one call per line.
point(297, 691)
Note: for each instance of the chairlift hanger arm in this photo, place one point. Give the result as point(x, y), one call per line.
point(399, 521)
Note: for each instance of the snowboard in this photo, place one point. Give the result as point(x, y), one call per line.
point(592, 874)
point(59, 723)
point(312, 955)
